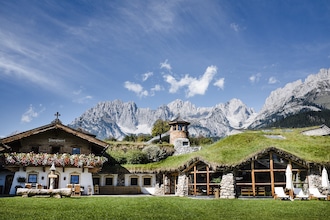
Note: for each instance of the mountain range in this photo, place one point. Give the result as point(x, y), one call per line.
point(118, 119)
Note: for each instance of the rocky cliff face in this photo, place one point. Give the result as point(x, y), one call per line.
point(313, 94)
point(117, 118)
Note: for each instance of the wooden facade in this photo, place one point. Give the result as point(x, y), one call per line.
point(29, 155)
point(253, 178)
point(261, 175)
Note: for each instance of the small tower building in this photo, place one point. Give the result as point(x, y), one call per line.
point(179, 132)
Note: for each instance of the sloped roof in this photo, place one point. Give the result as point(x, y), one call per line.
point(56, 124)
point(4, 147)
point(322, 130)
point(240, 149)
point(178, 120)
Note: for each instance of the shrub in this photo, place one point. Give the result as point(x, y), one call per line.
point(119, 156)
point(136, 157)
point(155, 153)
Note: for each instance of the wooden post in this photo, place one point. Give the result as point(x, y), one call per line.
point(207, 180)
point(291, 190)
point(195, 179)
point(253, 179)
point(164, 184)
point(271, 167)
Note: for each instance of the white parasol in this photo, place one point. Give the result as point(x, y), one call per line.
point(288, 178)
point(325, 179)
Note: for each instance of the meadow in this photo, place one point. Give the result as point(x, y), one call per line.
point(151, 207)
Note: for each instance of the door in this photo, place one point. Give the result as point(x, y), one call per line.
point(8, 183)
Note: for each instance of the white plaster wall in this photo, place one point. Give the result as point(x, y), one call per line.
point(144, 189)
point(85, 178)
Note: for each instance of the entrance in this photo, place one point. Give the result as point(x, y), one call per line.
point(8, 183)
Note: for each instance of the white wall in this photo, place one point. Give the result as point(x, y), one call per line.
point(85, 178)
point(144, 189)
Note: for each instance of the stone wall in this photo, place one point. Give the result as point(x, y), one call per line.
point(227, 186)
point(182, 185)
point(315, 180)
point(180, 148)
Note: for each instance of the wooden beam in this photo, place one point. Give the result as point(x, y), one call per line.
point(195, 179)
point(271, 166)
point(207, 180)
point(253, 178)
point(164, 184)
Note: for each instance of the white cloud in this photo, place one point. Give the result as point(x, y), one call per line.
point(145, 76)
point(176, 85)
point(272, 80)
point(19, 71)
point(199, 86)
point(156, 88)
point(166, 65)
point(220, 83)
point(255, 78)
point(195, 86)
point(137, 88)
point(83, 100)
point(235, 27)
point(31, 113)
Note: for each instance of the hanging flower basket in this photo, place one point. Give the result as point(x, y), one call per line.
point(60, 160)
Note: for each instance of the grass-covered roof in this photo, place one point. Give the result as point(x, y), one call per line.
point(236, 149)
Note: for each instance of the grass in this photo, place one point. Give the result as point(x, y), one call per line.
point(159, 208)
point(232, 150)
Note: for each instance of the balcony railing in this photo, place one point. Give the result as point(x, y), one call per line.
point(60, 160)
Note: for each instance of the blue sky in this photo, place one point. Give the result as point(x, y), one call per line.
point(67, 56)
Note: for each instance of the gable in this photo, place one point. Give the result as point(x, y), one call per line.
point(54, 138)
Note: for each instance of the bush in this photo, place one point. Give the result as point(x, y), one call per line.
point(119, 156)
point(136, 157)
point(155, 153)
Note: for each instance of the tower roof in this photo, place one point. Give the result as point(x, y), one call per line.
point(178, 120)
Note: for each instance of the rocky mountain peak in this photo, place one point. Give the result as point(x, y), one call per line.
point(117, 118)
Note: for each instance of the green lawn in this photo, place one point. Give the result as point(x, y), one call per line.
point(150, 207)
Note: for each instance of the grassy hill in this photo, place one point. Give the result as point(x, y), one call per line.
point(235, 149)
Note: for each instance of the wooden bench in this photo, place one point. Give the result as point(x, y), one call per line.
point(246, 191)
point(261, 191)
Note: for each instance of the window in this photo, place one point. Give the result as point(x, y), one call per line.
point(75, 150)
point(134, 181)
point(109, 181)
point(96, 181)
point(35, 149)
point(74, 179)
point(147, 181)
point(32, 178)
point(55, 149)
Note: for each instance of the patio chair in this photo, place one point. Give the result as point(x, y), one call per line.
point(280, 194)
point(315, 193)
point(70, 186)
point(76, 191)
point(96, 189)
point(299, 194)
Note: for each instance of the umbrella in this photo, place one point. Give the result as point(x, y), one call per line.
point(288, 177)
point(325, 180)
